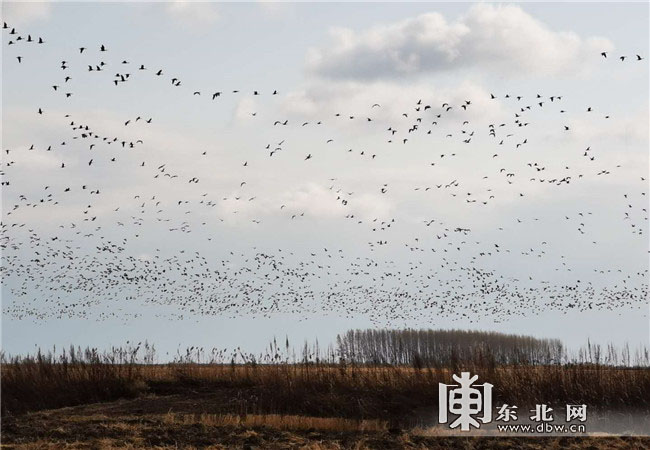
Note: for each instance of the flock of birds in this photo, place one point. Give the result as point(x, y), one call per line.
point(91, 265)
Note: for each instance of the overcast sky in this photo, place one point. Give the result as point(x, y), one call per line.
point(323, 60)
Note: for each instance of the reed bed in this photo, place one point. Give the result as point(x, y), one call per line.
point(318, 384)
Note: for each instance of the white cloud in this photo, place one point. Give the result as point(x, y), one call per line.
point(18, 14)
point(193, 13)
point(629, 129)
point(324, 99)
point(501, 38)
point(245, 108)
point(272, 8)
point(317, 201)
point(309, 200)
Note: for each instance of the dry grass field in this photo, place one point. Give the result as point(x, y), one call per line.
point(138, 423)
point(121, 424)
point(84, 399)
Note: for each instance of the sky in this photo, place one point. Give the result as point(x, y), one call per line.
point(239, 228)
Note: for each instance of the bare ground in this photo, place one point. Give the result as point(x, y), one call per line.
point(202, 421)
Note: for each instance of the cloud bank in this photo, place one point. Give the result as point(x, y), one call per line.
point(193, 13)
point(24, 13)
point(504, 39)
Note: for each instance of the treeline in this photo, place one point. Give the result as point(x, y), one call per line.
point(445, 348)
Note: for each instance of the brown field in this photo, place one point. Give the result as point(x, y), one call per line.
point(388, 393)
point(103, 427)
point(129, 424)
point(83, 399)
